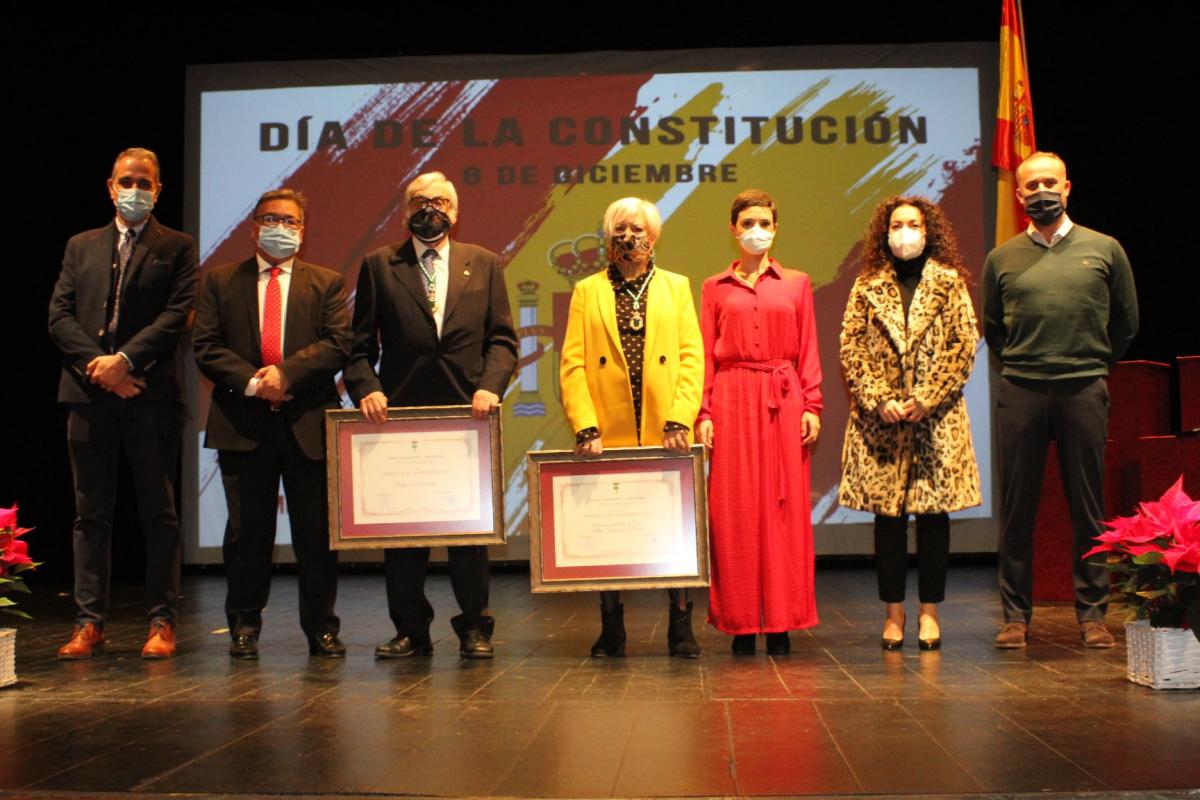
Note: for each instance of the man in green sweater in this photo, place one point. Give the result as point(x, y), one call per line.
point(1059, 308)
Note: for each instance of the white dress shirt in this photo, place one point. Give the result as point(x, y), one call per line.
point(1064, 227)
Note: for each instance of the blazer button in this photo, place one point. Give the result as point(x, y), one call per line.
point(662, 359)
point(603, 361)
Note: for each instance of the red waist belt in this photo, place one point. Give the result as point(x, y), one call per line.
point(781, 371)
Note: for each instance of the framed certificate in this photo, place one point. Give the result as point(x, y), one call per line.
point(428, 476)
point(633, 518)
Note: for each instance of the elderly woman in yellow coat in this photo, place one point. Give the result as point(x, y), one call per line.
point(632, 372)
point(907, 348)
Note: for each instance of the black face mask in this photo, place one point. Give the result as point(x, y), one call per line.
point(1044, 207)
point(429, 224)
point(628, 249)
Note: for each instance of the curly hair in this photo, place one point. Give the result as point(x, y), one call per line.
point(941, 244)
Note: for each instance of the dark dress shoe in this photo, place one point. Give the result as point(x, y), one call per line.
point(401, 646)
point(744, 644)
point(244, 647)
point(473, 644)
point(327, 645)
point(779, 644)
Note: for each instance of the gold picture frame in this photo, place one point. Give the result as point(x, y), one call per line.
point(429, 476)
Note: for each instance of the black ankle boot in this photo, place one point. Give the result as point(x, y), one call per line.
point(611, 643)
point(681, 642)
point(744, 644)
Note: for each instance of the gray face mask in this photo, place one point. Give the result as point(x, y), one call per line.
point(278, 241)
point(134, 204)
point(1044, 207)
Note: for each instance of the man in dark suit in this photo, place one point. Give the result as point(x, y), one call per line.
point(271, 333)
point(119, 307)
point(439, 311)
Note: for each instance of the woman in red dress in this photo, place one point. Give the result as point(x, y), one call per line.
point(761, 412)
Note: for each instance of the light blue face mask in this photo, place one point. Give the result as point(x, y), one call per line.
point(134, 204)
point(278, 241)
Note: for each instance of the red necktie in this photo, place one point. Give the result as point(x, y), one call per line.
point(272, 345)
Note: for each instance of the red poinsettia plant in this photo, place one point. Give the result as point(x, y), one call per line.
point(14, 559)
point(1156, 553)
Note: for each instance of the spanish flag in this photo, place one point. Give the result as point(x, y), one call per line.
point(1013, 141)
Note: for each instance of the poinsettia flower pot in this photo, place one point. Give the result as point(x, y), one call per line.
point(1162, 658)
point(8, 656)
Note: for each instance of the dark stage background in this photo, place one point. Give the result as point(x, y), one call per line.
point(1106, 95)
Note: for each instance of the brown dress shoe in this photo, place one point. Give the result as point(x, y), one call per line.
point(1012, 636)
point(1094, 634)
point(86, 640)
point(160, 642)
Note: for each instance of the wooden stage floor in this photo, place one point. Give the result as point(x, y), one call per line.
point(836, 717)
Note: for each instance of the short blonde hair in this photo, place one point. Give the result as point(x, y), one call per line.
point(426, 179)
point(628, 208)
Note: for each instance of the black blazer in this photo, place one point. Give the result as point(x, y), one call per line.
point(156, 299)
point(228, 348)
point(478, 346)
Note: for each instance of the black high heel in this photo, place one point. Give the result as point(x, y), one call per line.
point(928, 644)
point(895, 644)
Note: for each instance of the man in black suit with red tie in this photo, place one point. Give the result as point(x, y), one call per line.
point(439, 311)
point(119, 307)
point(271, 333)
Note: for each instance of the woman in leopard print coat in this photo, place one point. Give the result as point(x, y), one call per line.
point(907, 348)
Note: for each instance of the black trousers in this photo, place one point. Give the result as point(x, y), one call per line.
point(251, 481)
point(405, 569)
point(891, 556)
point(149, 431)
point(1074, 413)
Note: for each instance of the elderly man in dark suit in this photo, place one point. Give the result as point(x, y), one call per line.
point(271, 333)
point(439, 311)
point(119, 307)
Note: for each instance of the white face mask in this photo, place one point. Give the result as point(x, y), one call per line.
point(133, 204)
point(757, 240)
point(906, 243)
point(278, 241)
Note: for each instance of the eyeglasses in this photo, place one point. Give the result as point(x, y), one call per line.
point(271, 221)
point(440, 203)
